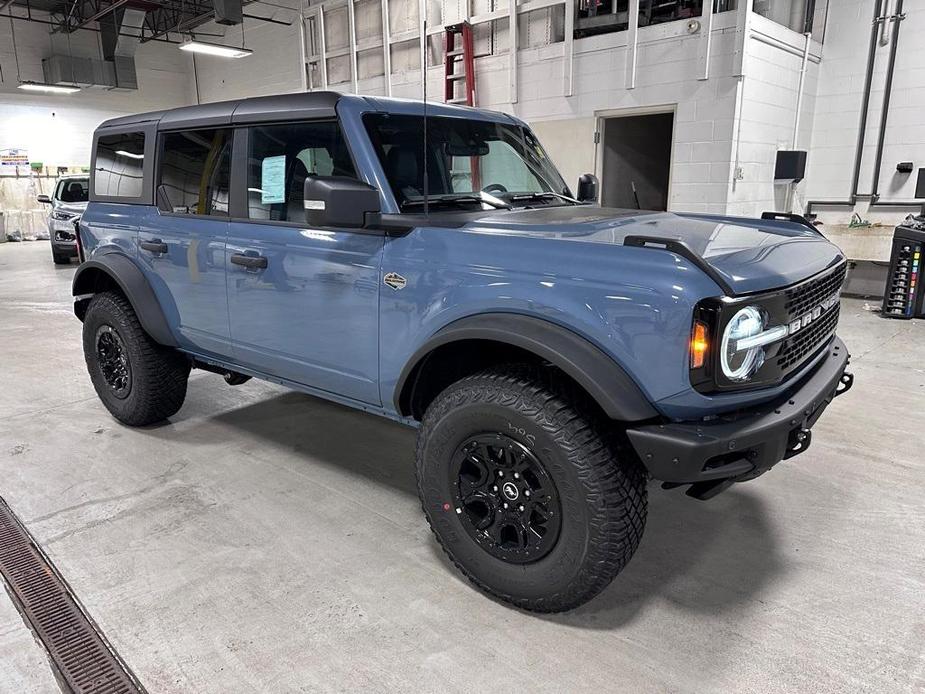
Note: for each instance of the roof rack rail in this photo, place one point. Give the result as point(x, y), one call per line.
point(790, 217)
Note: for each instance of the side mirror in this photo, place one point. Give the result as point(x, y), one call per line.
point(338, 201)
point(587, 188)
point(44, 199)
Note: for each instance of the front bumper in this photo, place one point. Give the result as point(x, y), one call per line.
point(711, 455)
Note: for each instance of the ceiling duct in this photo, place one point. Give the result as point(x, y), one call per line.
point(229, 12)
point(118, 73)
point(120, 32)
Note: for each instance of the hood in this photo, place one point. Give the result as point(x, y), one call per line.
point(72, 207)
point(751, 255)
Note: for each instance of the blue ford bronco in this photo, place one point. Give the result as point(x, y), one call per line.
point(431, 266)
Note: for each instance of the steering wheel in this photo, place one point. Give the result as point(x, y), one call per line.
point(494, 188)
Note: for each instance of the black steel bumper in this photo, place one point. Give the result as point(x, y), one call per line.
point(712, 455)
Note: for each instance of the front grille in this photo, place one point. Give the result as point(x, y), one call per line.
point(803, 298)
point(805, 342)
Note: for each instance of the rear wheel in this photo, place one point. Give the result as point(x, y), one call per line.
point(526, 490)
point(139, 381)
point(61, 259)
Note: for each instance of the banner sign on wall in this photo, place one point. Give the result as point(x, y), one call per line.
point(14, 157)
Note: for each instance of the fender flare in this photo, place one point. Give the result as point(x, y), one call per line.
point(594, 370)
point(134, 285)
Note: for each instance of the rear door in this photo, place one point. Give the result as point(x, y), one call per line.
point(182, 243)
point(303, 301)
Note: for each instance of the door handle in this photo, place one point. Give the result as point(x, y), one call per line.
point(154, 246)
point(251, 262)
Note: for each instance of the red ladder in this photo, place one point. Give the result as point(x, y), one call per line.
point(464, 50)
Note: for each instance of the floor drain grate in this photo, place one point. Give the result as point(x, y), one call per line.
point(86, 663)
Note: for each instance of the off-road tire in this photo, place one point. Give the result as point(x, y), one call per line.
point(601, 485)
point(158, 374)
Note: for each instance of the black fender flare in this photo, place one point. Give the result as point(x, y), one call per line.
point(131, 280)
point(594, 370)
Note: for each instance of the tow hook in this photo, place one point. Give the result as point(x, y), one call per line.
point(798, 442)
point(844, 384)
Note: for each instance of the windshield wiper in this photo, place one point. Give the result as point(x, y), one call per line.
point(454, 199)
point(545, 196)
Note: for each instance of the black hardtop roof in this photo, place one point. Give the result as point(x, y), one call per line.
point(247, 110)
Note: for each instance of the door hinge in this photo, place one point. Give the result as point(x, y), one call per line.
point(597, 136)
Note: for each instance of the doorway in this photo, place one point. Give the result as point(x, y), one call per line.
point(636, 161)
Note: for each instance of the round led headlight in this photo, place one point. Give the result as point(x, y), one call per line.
point(740, 364)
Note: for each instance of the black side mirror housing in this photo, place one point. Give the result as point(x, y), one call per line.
point(338, 201)
point(587, 188)
point(44, 199)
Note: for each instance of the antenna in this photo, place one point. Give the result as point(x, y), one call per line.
point(424, 78)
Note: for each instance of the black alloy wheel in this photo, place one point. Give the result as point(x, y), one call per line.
point(527, 488)
point(113, 361)
point(139, 381)
point(505, 497)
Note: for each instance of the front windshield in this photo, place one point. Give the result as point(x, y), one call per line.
point(464, 157)
point(74, 190)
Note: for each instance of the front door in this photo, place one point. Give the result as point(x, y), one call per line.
point(181, 245)
point(303, 302)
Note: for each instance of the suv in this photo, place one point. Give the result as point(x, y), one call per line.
point(67, 204)
point(436, 270)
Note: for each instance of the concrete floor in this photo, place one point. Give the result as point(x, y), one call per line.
point(265, 541)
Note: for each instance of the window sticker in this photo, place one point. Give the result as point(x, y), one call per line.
point(273, 180)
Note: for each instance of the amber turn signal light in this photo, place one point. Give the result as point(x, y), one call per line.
point(699, 345)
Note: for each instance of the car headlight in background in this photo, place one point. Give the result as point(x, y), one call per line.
point(744, 339)
point(62, 216)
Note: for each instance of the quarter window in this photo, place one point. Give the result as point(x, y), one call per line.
point(195, 171)
point(281, 157)
point(119, 165)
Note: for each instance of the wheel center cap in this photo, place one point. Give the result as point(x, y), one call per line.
point(510, 491)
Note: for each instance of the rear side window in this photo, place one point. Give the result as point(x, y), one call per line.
point(195, 171)
point(281, 157)
point(119, 165)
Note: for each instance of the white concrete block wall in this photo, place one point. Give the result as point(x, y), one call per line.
point(838, 107)
point(667, 79)
point(56, 129)
point(767, 113)
point(275, 67)
point(722, 125)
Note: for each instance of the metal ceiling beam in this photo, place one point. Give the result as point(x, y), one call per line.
point(163, 16)
point(101, 12)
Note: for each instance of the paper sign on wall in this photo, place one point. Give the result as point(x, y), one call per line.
point(14, 157)
point(273, 180)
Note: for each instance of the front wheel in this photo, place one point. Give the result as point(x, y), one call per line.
point(139, 381)
point(525, 489)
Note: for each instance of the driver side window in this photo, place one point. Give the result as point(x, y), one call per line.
point(281, 157)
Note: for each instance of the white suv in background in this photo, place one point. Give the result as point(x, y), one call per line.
point(67, 204)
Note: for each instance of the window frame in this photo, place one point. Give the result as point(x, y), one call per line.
point(149, 130)
point(239, 173)
point(161, 141)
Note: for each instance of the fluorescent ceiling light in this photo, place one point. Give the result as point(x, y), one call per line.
point(215, 49)
point(123, 153)
point(48, 88)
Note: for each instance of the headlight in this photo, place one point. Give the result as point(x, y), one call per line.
point(739, 358)
point(62, 216)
